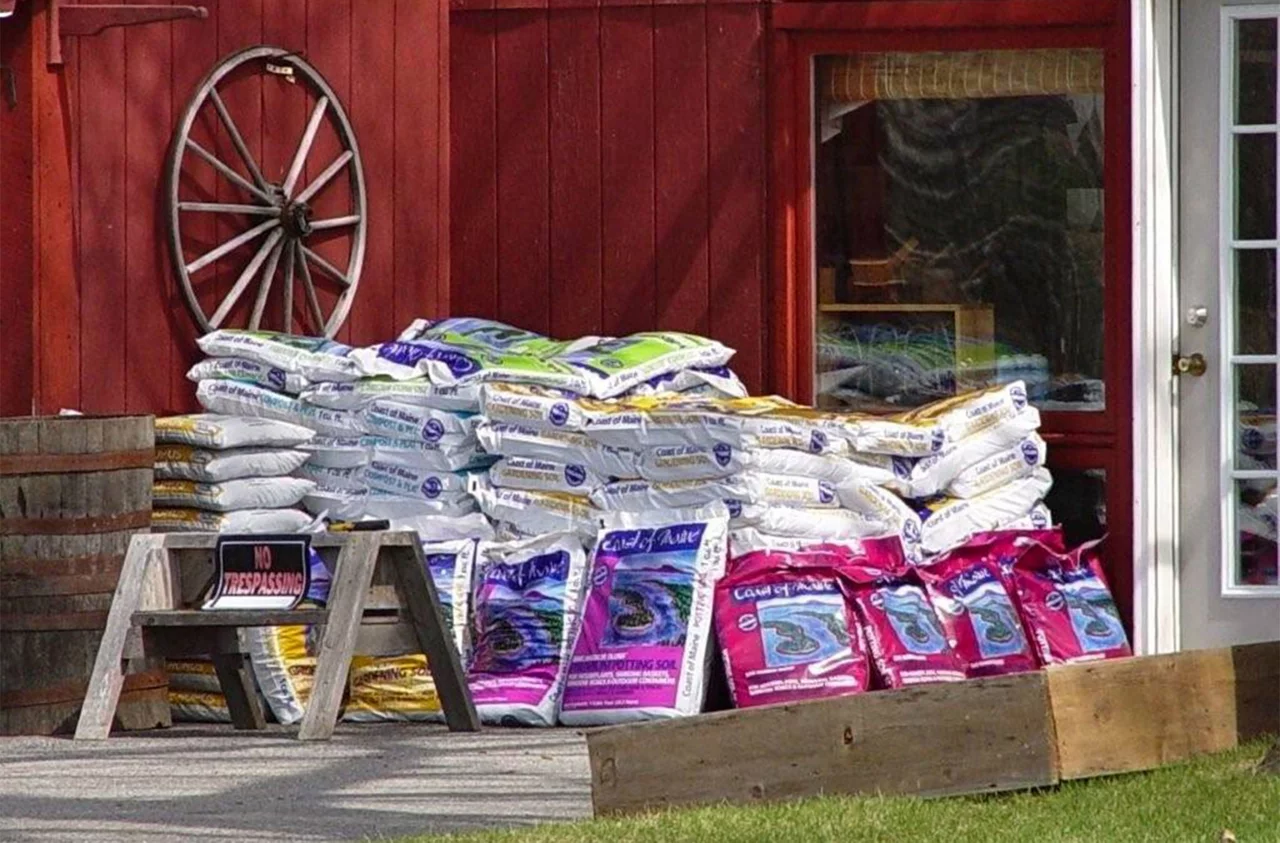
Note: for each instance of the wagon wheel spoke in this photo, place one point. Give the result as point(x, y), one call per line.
point(304, 146)
point(329, 269)
point(237, 140)
point(242, 282)
point(290, 252)
point(227, 208)
point(335, 222)
point(264, 288)
point(324, 178)
point(229, 246)
point(232, 175)
point(313, 303)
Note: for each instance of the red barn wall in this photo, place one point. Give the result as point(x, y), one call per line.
point(609, 168)
point(117, 337)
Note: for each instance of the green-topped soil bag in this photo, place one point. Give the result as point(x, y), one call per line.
point(486, 333)
point(456, 365)
point(614, 366)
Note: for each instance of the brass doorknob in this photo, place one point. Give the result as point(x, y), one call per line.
point(1192, 364)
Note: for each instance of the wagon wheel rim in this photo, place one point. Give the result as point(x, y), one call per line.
point(281, 217)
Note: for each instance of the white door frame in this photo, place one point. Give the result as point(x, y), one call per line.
point(1154, 88)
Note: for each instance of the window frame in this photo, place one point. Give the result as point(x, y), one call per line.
point(1228, 248)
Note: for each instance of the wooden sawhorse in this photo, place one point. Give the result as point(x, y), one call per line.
point(382, 602)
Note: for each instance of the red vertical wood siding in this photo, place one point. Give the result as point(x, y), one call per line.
point(121, 338)
point(17, 375)
point(609, 168)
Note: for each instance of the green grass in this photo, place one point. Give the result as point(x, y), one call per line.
point(1195, 801)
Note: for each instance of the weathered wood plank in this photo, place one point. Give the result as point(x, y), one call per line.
point(207, 541)
point(230, 617)
point(1136, 714)
point(237, 686)
point(108, 668)
point(970, 737)
point(1257, 668)
point(346, 602)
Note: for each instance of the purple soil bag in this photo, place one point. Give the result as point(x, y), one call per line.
point(787, 628)
point(641, 652)
point(527, 597)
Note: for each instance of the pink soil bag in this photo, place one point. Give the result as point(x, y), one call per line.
point(903, 633)
point(1066, 605)
point(787, 629)
point(977, 606)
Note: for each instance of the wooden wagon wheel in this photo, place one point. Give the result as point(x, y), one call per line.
point(275, 216)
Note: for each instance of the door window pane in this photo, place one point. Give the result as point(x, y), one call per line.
point(1255, 162)
point(1255, 301)
point(1256, 71)
point(959, 227)
point(1255, 413)
point(1256, 532)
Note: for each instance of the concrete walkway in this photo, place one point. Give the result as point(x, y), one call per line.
point(369, 782)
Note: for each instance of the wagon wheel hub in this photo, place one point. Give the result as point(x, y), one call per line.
point(296, 219)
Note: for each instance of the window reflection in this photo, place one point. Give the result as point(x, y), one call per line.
point(959, 227)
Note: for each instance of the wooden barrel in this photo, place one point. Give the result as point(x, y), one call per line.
point(73, 490)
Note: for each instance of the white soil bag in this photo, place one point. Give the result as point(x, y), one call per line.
point(217, 431)
point(539, 475)
point(236, 398)
point(537, 513)
point(314, 358)
point(240, 369)
point(563, 446)
point(952, 522)
point(1000, 468)
point(247, 493)
point(531, 406)
point(186, 462)
point(421, 392)
point(815, 525)
point(642, 649)
point(188, 520)
point(396, 420)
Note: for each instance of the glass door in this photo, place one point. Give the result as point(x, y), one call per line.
point(959, 239)
point(1228, 583)
point(960, 242)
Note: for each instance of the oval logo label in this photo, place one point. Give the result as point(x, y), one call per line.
point(600, 576)
point(1054, 601)
point(723, 453)
point(431, 487)
point(748, 623)
point(276, 378)
point(826, 494)
point(558, 414)
point(735, 507)
point(1019, 396)
point(911, 531)
point(1039, 518)
point(938, 439)
point(575, 475)
point(902, 467)
point(817, 442)
point(1030, 452)
point(432, 430)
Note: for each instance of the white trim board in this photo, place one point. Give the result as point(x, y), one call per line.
point(1155, 319)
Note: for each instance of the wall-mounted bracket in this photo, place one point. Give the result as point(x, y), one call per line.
point(67, 20)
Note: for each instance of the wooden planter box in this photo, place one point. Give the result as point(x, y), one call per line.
point(1005, 733)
